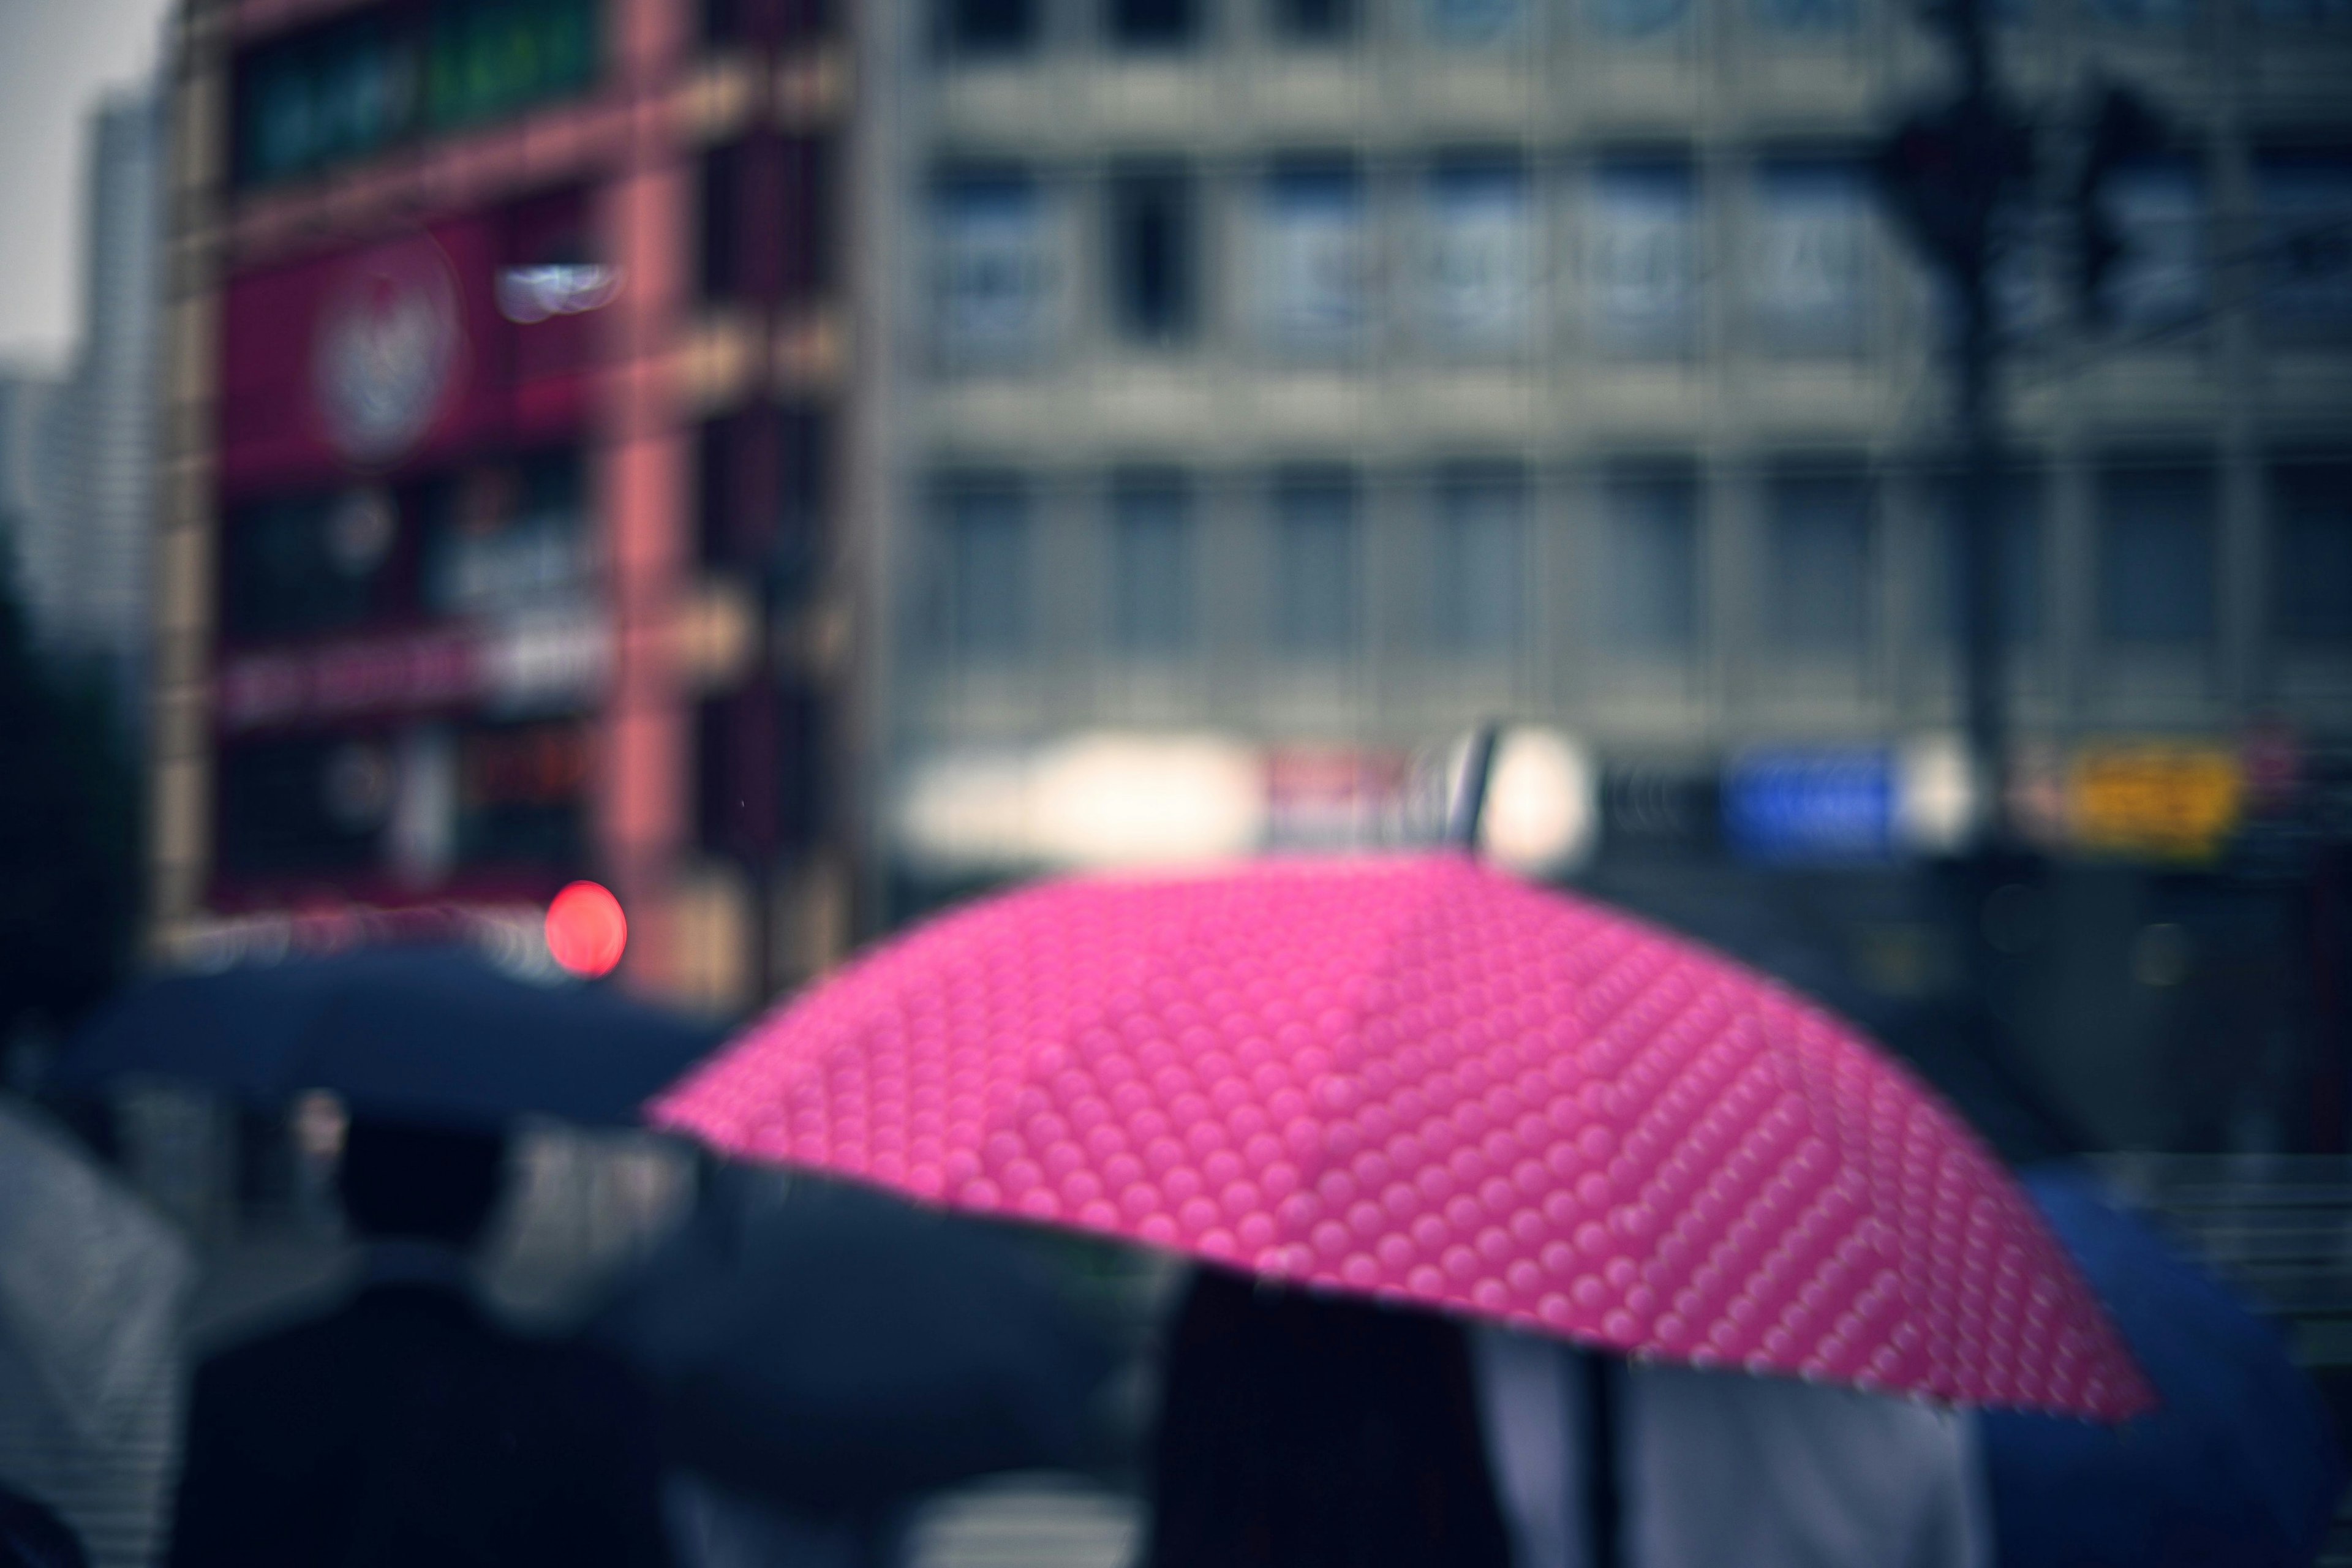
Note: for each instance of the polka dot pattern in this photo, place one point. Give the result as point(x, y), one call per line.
point(1417, 1079)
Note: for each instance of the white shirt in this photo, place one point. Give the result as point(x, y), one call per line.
point(1720, 1468)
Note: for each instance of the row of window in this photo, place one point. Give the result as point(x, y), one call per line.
point(1819, 575)
point(996, 28)
point(486, 540)
point(349, 88)
point(1458, 255)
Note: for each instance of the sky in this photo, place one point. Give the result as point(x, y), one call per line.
point(57, 56)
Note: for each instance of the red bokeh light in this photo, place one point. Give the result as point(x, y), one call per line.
point(586, 930)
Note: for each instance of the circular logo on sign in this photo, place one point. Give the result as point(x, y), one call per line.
point(389, 343)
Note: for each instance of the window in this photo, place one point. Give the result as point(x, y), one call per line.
point(765, 21)
point(2312, 564)
point(984, 563)
point(2158, 205)
point(2302, 13)
point(341, 91)
point(521, 794)
point(1801, 19)
point(2143, 13)
point(722, 222)
point(1478, 575)
point(1478, 289)
point(313, 563)
point(308, 805)
point(1314, 260)
point(1153, 255)
point(1642, 258)
point(1313, 21)
point(807, 237)
point(995, 269)
point(1632, 20)
point(1471, 24)
point(2306, 277)
point(504, 537)
point(2155, 557)
point(1818, 563)
point(1150, 562)
point(2016, 511)
point(325, 97)
point(1651, 567)
point(981, 29)
point(765, 478)
point(1808, 271)
point(1315, 561)
point(1154, 23)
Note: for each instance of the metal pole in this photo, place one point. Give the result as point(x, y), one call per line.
point(1984, 674)
point(1470, 801)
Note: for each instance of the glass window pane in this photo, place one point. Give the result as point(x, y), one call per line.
point(2017, 506)
point(1314, 259)
point(1818, 563)
point(987, 26)
point(1799, 18)
point(1313, 21)
point(1152, 255)
point(1634, 19)
point(1467, 23)
point(994, 268)
point(2313, 564)
point(1478, 581)
point(1807, 262)
point(1479, 287)
point(1653, 565)
point(2155, 557)
point(985, 560)
point(2159, 211)
point(1153, 24)
point(2143, 13)
point(2306, 205)
point(1314, 563)
point(1642, 258)
point(1151, 563)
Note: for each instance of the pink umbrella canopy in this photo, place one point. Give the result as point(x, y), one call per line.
point(1417, 1078)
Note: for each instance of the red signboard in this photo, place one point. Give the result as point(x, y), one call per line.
point(395, 355)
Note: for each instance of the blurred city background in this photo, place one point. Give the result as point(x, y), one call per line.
point(798, 463)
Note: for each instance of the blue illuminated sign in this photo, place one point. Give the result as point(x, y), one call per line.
point(1811, 806)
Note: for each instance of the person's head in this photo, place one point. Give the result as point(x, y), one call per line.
point(420, 1183)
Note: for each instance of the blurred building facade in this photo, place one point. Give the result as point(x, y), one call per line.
point(1320, 376)
point(78, 449)
point(27, 470)
point(494, 549)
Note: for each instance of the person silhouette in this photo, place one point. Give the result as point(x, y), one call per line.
point(406, 1426)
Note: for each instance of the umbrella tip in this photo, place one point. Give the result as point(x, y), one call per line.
point(1470, 799)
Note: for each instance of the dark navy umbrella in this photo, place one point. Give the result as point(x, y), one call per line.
point(836, 1350)
point(2239, 1466)
point(435, 1034)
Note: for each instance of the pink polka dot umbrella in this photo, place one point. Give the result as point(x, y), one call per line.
point(1417, 1078)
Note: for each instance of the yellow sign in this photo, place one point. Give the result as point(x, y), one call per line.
point(2161, 799)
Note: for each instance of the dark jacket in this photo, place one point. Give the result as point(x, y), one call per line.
point(407, 1428)
point(1299, 1431)
point(33, 1537)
